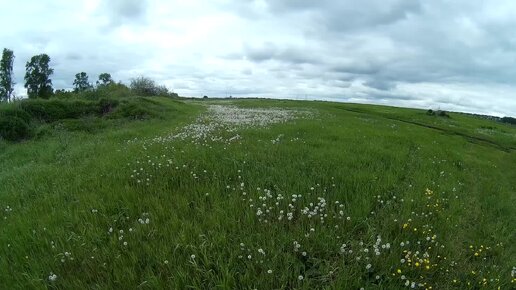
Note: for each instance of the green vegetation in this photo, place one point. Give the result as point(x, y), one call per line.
point(81, 82)
point(20, 120)
point(509, 120)
point(143, 86)
point(6, 75)
point(37, 77)
point(245, 194)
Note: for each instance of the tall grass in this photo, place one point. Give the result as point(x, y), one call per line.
point(337, 198)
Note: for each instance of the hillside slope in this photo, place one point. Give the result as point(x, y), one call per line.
point(262, 194)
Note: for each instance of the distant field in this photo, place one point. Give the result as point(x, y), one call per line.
point(261, 194)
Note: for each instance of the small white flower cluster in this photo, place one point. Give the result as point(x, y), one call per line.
point(144, 220)
point(121, 237)
point(66, 256)
point(52, 277)
point(377, 246)
point(7, 210)
point(314, 210)
point(412, 284)
point(278, 139)
point(297, 246)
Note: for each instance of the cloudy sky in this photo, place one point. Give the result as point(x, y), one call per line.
point(454, 55)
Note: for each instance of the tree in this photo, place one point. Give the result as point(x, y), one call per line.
point(105, 79)
point(37, 77)
point(81, 82)
point(6, 75)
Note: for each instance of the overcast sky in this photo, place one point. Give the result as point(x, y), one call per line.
point(454, 55)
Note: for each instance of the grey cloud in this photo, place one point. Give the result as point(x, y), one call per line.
point(367, 14)
point(267, 51)
point(288, 55)
point(380, 85)
point(73, 56)
point(348, 14)
point(363, 68)
point(125, 11)
point(247, 71)
point(443, 49)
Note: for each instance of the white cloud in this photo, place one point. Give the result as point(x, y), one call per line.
point(457, 56)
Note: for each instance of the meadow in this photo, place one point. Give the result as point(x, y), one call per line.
point(261, 194)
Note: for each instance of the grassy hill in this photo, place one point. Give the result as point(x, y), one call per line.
point(260, 194)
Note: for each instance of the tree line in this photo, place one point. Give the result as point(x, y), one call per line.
point(39, 84)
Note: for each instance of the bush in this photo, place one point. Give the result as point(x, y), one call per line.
point(133, 111)
point(442, 114)
point(15, 112)
point(106, 106)
point(508, 120)
point(138, 109)
point(53, 110)
point(13, 128)
point(439, 113)
point(114, 90)
point(146, 87)
point(63, 94)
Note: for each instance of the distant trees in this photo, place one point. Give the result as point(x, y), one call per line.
point(81, 82)
point(105, 79)
point(508, 120)
point(37, 77)
point(440, 113)
point(6, 75)
point(39, 85)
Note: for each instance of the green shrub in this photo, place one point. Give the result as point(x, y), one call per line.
point(143, 86)
point(439, 113)
point(508, 120)
point(52, 110)
point(63, 94)
point(15, 111)
point(13, 128)
point(107, 91)
point(91, 94)
point(133, 110)
point(442, 113)
point(106, 106)
point(114, 91)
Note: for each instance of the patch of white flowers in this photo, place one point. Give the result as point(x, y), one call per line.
point(227, 119)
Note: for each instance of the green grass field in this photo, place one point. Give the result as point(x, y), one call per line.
point(261, 194)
